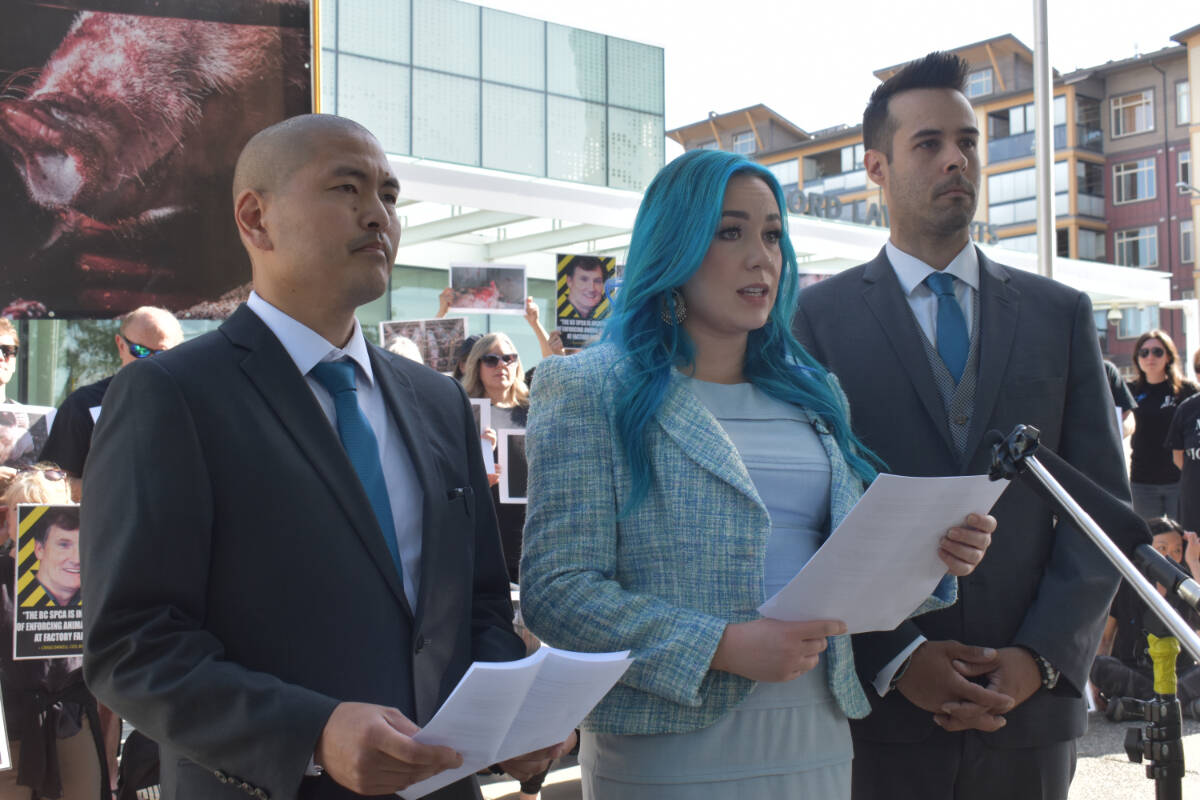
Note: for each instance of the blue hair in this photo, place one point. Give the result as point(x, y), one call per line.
point(678, 218)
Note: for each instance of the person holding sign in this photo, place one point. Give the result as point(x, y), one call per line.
point(680, 472)
point(47, 708)
point(299, 559)
point(493, 370)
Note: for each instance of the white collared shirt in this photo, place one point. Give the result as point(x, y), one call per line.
point(912, 272)
point(307, 348)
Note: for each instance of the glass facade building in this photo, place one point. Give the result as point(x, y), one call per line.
point(455, 82)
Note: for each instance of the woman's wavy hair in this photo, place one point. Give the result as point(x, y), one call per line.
point(518, 393)
point(678, 218)
point(1174, 379)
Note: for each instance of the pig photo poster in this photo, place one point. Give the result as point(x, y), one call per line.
point(481, 407)
point(488, 288)
point(119, 132)
point(48, 613)
point(436, 339)
point(582, 297)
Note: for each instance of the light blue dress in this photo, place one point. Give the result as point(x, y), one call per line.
point(787, 740)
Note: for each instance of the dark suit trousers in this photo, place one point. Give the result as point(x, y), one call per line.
point(961, 766)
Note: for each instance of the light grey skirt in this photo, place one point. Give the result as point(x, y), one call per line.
point(785, 741)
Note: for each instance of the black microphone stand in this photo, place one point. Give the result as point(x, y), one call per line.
point(1013, 458)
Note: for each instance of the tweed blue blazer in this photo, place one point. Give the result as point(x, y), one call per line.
point(664, 581)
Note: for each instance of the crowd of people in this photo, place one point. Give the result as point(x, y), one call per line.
point(293, 544)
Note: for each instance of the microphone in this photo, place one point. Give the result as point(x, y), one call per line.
point(1162, 570)
point(1122, 523)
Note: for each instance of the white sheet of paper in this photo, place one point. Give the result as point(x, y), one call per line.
point(505, 709)
point(881, 562)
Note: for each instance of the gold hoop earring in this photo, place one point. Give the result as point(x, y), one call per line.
point(676, 311)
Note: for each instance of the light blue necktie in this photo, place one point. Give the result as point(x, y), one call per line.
point(953, 341)
point(361, 445)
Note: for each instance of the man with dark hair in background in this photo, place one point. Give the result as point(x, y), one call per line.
point(935, 345)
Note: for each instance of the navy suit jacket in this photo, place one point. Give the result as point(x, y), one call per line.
point(238, 583)
point(1042, 585)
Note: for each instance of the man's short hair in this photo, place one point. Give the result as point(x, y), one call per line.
point(152, 314)
point(938, 70)
point(585, 263)
point(65, 518)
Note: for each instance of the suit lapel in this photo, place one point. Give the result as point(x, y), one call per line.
point(274, 374)
point(405, 410)
point(686, 420)
point(884, 297)
point(999, 303)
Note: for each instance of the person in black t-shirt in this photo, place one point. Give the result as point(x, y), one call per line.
point(1158, 390)
point(1183, 439)
point(144, 332)
point(1122, 397)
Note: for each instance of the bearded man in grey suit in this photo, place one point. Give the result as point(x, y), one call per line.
point(295, 554)
point(935, 344)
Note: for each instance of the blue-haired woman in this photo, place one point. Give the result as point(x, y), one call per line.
point(679, 472)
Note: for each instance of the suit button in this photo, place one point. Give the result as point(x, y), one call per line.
point(419, 644)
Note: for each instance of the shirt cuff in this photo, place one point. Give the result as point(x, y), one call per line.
point(883, 679)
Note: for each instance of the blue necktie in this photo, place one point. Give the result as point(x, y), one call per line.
point(361, 445)
point(953, 341)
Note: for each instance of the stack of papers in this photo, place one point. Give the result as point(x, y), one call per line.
point(504, 709)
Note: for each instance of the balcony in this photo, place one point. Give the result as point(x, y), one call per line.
point(1021, 145)
point(837, 184)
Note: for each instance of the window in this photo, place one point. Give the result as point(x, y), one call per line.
point(979, 83)
point(1137, 247)
point(1090, 245)
point(1133, 181)
point(1132, 113)
point(1185, 171)
point(711, 144)
point(1134, 321)
point(1187, 241)
point(1089, 179)
point(852, 158)
point(744, 142)
point(786, 172)
point(1183, 103)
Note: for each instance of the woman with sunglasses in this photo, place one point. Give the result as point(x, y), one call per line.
point(493, 370)
point(1158, 390)
point(680, 472)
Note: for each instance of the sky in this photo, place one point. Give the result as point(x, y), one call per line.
point(812, 60)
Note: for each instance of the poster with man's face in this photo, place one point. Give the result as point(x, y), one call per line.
point(48, 613)
point(119, 131)
point(582, 298)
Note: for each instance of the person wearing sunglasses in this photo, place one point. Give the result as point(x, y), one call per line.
point(493, 370)
point(1158, 389)
point(9, 347)
point(143, 332)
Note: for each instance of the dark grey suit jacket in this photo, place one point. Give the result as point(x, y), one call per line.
point(238, 583)
point(1041, 585)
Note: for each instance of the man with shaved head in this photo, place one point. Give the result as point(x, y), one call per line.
point(299, 556)
point(143, 332)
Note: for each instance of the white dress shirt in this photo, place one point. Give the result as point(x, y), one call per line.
point(307, 348)
point(912, 272)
